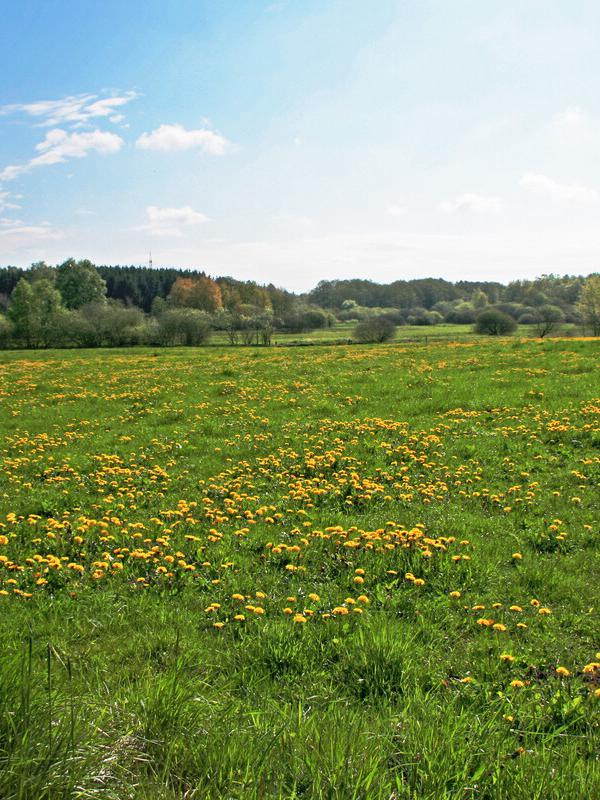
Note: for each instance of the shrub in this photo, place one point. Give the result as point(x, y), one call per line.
point(305, 319)
point(462, 314)
point(495, 323)
point(183, 326)
point(375, 329)
point(513, 310)
point(112, 324)
point(421, 316)
point(547, 319)
point(5, 332)
point(528, 318)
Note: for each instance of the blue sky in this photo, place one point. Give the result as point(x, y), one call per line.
point(294, 140)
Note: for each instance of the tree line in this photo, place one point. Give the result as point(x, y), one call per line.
point(79, 304)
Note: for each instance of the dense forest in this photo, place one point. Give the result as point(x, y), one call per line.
point(79, 304)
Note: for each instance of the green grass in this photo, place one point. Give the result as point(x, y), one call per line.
point(343, 331)
point(208, 473)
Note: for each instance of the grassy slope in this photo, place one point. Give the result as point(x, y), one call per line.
point(116, 683)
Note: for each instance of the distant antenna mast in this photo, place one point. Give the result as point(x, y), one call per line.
point(150, 260)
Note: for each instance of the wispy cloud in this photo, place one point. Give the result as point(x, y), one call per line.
point(15, 232)
point(471, 203)
point(171, 221)
point(59, 146)
point(572, 119)
point(564, 192)
point(7, 201)
point(173, 138)
point(397, 211)
point(72, 111)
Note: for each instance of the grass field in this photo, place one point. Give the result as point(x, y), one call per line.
point(345, 572)
point(343, 331)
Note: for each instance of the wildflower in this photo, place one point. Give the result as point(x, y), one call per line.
point(563, 672)
point(314, 597)
point(362, 598)
point(240, 617)
point(544, 611)
point(516, 684)
point(499, 627)
point(506, 657)
point(454, 595)
point(299, 619)
point(591, 667)
point(517, 556)
point(218, 625)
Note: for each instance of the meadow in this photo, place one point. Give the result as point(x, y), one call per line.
point(343, 333)
point(366, 572)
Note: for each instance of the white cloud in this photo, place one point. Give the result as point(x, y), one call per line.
point(471, 203)
point(572, 118)
point(75, 110)
point(172, 138)
point(58, 146)
point(397, 211)
point(6, 201)
point(170, 221)
point(15, 232)
point(566, 192)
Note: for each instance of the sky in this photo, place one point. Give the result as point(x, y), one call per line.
point(290, 141)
